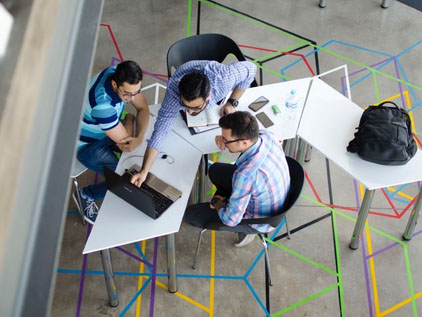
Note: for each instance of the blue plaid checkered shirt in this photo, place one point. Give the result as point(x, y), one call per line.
point(223, 79)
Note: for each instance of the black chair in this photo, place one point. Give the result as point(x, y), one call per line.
point(297, 176)
point(214, 47)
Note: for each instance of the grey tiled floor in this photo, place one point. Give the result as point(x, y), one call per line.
point(314, 273)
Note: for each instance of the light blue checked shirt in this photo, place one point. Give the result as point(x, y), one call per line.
point(223, 79)
point(260, 183)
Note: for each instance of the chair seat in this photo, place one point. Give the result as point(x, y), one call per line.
point(77, 168)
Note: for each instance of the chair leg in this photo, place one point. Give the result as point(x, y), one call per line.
point(268, 282)
point(287, 228)
point(267, 259)
point(197, 248)
point(78, 198)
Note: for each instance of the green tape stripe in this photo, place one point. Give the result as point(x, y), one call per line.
point(377, 92)
point(278, 52)
point(366, 66)
point(409, 276)
point(218, 155)
point(211, 191)
point(327, 207)
point(352, 219)
point(188, 22)
point(301, 257)
point(337, 254)
point(309, 43)
point(326, 290)
point(275, 72)
point(216, 6)
point(403, 244)
point(418, 133)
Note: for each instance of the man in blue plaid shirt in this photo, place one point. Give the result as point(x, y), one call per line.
point(195, 86)
point(255, 187)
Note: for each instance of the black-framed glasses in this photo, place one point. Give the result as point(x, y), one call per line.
point(196, 110)
point(231, 141)
point(129, 94)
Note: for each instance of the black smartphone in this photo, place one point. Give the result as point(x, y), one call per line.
point(258, 103)
point(263, 118)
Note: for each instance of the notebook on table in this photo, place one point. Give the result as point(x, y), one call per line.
point(153, 198)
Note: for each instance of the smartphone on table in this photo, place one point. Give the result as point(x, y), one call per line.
point(258, 103)
point(264, 119)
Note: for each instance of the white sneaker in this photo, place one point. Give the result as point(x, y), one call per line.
point(89, 207)
point(244, 239)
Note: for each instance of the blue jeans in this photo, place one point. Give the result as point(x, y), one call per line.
point(94, 156)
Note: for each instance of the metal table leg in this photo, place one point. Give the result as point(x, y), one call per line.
point(300, 156)
point(360, 222)
point(413, 219)
point(385, 4)
point(171, 263)
point(289, 147)
point(109, 278)
point(203, 167)
point(322, 3)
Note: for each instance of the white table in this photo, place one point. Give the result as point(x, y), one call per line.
point(283, 129)
point(328, 124)
point(119, 223)
point(275, 93)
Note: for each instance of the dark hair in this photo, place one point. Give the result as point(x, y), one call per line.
point(127, 71)
point(194, 85)
point(242, 124)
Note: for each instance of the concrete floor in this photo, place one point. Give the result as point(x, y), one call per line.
point(314, 273)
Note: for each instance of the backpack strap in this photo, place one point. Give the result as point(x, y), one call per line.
point(385, 102)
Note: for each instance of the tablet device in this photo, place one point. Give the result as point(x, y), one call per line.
point(263, 118)
point(258, 103)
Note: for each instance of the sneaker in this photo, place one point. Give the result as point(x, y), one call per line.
point(244, 239)
point(89, 207)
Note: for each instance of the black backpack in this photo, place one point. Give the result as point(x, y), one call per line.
point(384, 136)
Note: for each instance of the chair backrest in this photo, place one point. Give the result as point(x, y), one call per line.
point(297, 178)
point(211, 46)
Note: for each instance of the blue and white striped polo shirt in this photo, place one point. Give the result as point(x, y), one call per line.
point(102, 108)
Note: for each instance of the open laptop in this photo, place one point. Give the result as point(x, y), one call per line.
point(152, 198)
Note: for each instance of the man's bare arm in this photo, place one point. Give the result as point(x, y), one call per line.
point(142, 118)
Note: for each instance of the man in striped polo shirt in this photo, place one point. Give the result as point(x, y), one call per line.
point(255, 187)
point(103, 133)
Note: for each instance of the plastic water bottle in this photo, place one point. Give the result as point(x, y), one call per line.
point(291, 105)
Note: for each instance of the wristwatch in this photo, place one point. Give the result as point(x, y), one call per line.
point(234, 102)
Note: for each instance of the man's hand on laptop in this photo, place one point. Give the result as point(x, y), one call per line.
point(129, 143)
point(139, 178)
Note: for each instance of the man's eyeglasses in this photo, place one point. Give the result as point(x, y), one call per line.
point(196, 110)
point(129, 94)
point(231, 141)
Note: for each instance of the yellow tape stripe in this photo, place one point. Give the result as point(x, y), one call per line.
point(371, 260)
point(140, 283)
point(400, 193)
point(401, 304)
point(372, 270)
point(212, 271)
point(189, 300)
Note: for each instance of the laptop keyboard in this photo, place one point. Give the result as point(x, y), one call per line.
point(161, 202)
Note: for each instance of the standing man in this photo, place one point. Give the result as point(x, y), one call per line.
point(255, 187)
point(194, 86)
point(103, 133)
